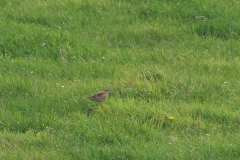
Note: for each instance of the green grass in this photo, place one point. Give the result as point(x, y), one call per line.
point(173, 67)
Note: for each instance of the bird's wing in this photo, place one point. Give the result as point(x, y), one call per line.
point(100, 94)
point(96, 95)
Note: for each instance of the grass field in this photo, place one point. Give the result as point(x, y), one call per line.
point(173, 66)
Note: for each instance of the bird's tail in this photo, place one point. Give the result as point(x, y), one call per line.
point(83, 99)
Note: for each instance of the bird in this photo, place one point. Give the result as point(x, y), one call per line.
point(99, 96)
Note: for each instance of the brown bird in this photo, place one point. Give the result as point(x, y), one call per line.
point(99, 96)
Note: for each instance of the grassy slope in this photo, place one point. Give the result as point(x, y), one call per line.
point(173, 66)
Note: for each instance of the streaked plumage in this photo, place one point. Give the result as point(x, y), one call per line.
point(99, 96)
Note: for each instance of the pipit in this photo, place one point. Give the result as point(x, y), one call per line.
point(99, 96)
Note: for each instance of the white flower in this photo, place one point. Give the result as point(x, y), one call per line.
point(174, 138)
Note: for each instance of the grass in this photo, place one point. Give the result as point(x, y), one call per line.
point(173, 67)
